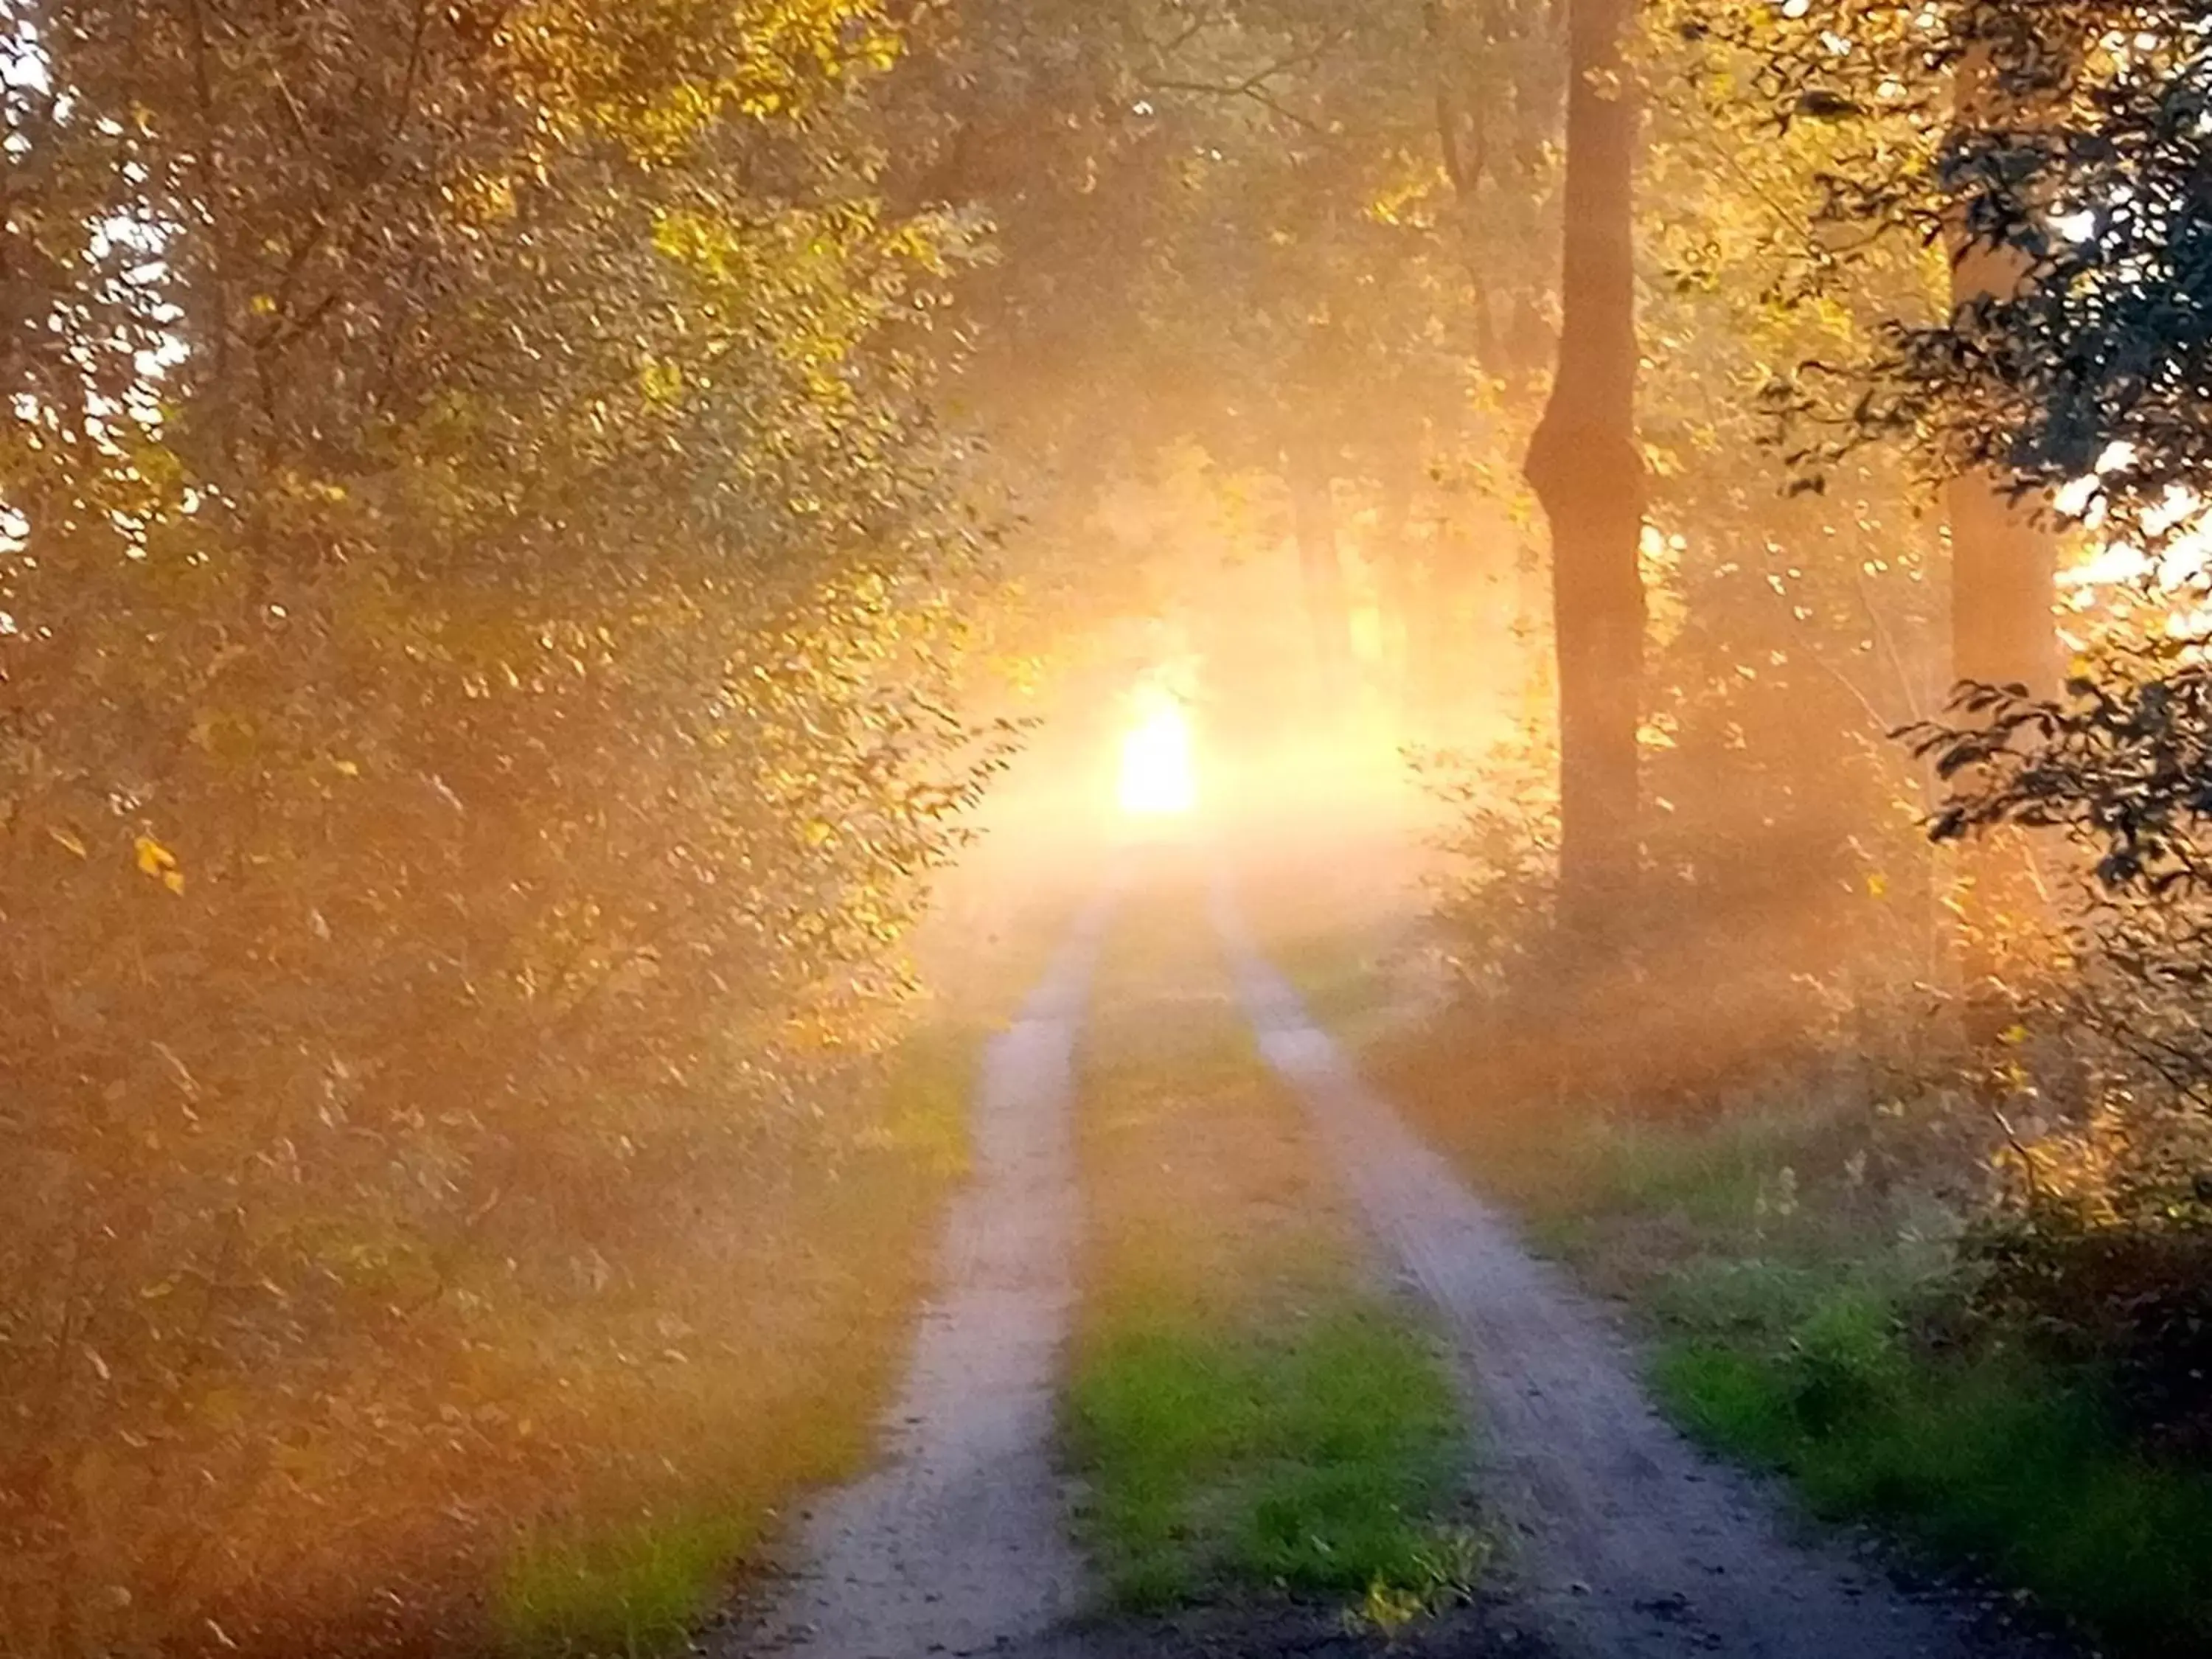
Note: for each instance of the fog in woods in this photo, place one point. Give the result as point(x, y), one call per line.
point(1104, 827)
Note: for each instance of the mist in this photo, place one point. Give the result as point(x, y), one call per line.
point(1197, 827)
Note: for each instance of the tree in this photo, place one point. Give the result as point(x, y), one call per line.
point(1963, 109)
point(1963, 121)
point(473, 632)
point(1231, 226)
point(1589, 474)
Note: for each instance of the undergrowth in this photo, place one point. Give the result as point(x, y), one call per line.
point(1985, 1456)
point(831, 1274)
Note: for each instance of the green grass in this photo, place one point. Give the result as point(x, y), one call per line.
point(1783, 1297)
point(634, 1592)
point(1980, 1457)
point(1247, 1418)
point(1785, 1310)
point(1312, 1456)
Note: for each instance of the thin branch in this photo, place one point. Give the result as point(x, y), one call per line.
point(1882, 724)
point(210, 183)
point(1907, 683)
point(1255, 85)
point(412, 81)
point(1163, 49)
point(1253, 92)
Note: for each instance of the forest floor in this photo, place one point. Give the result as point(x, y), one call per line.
point(1224, 1360)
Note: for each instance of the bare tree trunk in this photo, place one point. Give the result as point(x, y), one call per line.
point(1321, 567)
point(1436, 643)
point(2004, 575)
point(2003, 579)
point(2003, 565)
point(1398, 577)
point(1588, 475)
point(1464, 143)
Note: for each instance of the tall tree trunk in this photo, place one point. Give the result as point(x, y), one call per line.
point(2003, 565)
point(2004, 569)
point(1463, 141)
point(2004, 575)
point(1437, 642)
point(1320, 568)
point(1589, 474)
point(1397, 564)
point(1469, 642)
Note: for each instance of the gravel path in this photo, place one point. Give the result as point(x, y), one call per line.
point(1636, 1546)
point(958, 1544)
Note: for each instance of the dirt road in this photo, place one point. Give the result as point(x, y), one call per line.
point(1636, 1546)
point(1631, 1543)
point(958, 1544)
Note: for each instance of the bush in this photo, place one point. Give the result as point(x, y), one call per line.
point(473, 642)
point(2130, 1300)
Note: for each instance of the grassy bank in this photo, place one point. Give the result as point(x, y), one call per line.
point(1799, 1292)
point(774, 1391)
point(1247, 1413)
point(1801, 1315)
point(727, 1422)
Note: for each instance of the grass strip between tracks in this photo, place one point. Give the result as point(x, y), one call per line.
point(1248, 1413)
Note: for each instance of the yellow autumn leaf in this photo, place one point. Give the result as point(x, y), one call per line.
point(158, 862)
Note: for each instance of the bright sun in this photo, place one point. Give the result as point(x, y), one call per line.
point(1157, 777)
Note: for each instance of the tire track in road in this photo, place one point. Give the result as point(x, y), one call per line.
point(958, 1544)
point(1634, 1544)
